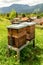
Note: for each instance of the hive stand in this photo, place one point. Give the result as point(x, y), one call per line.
point(19, 49)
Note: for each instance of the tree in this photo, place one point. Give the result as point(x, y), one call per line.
point(12, 14)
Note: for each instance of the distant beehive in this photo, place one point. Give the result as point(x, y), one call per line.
point(15, 20)
point(24, 19)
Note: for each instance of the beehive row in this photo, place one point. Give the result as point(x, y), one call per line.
point(18, 37)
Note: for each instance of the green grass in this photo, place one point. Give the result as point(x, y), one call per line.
point(29, 55)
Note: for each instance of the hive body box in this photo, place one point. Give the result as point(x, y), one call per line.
point(16, 37)
point(18, 34)
point(30, 32)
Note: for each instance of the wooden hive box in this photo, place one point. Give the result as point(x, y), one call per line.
point(30, 29)
point(18, 34)
point(15, 20)
point(16, 37)
point(17, 42)
point(30, 32)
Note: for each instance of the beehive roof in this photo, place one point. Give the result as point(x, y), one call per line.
point(21, 25)
point(39, 21)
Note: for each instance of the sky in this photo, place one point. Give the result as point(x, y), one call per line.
point(5, 3)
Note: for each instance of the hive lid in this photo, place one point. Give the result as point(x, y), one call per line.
point(21, 25)
point(29, 23)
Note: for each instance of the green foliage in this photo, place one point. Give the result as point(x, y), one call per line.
point(7, 14)
point(29, 55)
point(38, 17)
point(41, 14)
point(12, 14)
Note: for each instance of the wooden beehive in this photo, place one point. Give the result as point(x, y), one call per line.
point(16, 37)
point(17, 42)
point(30, 32)
point(18, 34)
point(15, 20)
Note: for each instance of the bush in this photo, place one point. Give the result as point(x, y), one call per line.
point(38, 17)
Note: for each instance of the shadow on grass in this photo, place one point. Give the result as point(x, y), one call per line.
point(31, 56)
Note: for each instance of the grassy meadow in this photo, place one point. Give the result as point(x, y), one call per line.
point(29, 55)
